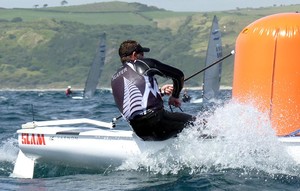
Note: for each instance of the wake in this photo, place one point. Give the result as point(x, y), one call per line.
point(9, 150)
point(244, 140)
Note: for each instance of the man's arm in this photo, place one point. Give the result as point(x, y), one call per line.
point(151, 66)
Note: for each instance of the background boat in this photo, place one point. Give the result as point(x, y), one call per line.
point(212, 76)
point(95, 70)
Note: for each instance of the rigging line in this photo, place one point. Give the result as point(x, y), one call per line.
point(172, 109)
point(216, 62)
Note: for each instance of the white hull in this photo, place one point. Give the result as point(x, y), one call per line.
point(77, 97)
point(292, 145)
point(87, 147)
point(97, 146)
point(200, 100)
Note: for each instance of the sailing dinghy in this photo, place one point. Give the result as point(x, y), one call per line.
point(84, 143)
point(212, 76)
point(95, 70)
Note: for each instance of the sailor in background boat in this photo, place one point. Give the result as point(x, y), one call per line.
point(186, 97)
point(139, 99)
point(69, 91)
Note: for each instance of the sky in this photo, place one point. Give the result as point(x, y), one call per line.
point(173, 5)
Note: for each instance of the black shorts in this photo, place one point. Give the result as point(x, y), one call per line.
point(160, 125)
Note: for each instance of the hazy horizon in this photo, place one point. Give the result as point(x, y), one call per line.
point(173, 5)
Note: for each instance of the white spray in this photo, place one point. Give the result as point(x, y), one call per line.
point(244, 140)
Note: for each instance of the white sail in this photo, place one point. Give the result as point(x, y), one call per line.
point(96, 69)
point(212, 76)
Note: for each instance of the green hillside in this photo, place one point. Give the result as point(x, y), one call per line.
point(54, 47)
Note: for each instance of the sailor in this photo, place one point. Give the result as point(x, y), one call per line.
point(186, 97)
point(139, 99)
point(68, 91)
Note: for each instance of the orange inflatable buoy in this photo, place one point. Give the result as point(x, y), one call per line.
point(267, 69)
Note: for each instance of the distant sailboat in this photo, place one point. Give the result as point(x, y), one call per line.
point(95, 70)
point(212, 76)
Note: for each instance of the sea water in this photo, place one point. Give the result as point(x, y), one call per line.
point(244, 155)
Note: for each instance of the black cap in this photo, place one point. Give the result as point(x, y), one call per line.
point(129, 46)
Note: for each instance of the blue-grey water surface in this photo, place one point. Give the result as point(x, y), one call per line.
point(250, 160)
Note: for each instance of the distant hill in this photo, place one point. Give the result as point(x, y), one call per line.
point(116, 6)
point(54, 47)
